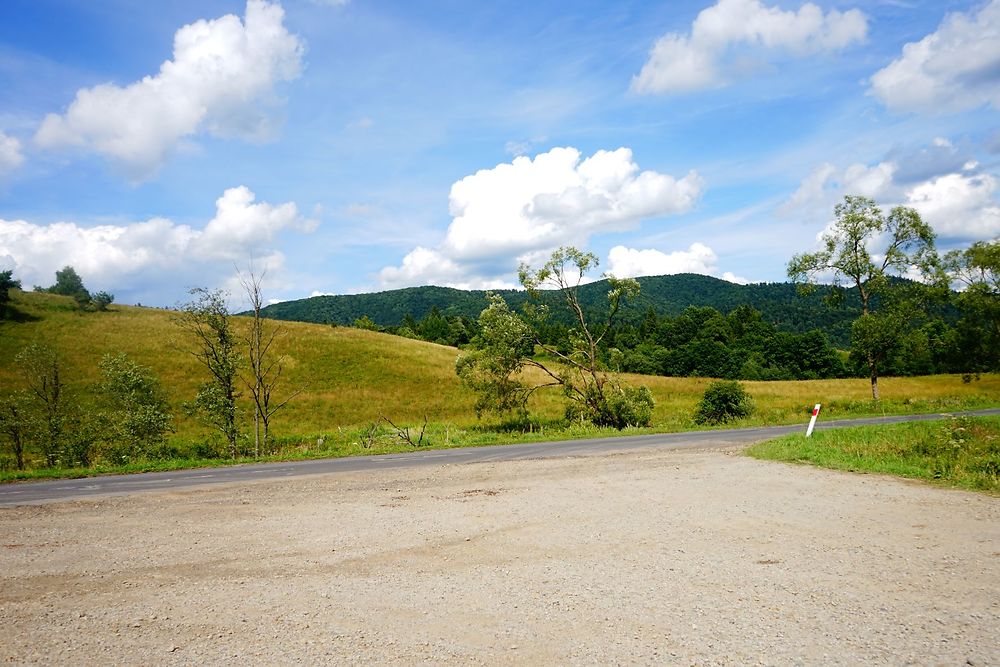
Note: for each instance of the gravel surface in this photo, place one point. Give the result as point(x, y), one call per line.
point(696, 557)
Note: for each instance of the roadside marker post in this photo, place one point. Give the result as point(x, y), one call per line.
point(812, 421)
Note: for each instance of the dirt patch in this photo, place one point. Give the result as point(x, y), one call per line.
point(671, 557)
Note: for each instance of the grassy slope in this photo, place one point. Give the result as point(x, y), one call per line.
point(349, 377)
point(959, 452)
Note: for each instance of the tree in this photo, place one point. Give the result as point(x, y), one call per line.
point(40, 368)
point(138, 414)
point(365, 322)
point(102, 300)
point(976, 269)
point(493, 368)
point(867, 249)
point(7, 283)
point(507, 340)
point(265, 364)
point(69, 283)
point(16, 424)
point(207, 320)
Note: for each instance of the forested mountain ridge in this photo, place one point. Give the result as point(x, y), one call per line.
point(779, 303)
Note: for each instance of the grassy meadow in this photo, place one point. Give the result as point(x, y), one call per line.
point(349, 377)
point(962, 452)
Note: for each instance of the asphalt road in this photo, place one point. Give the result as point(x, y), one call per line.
point(34, 493)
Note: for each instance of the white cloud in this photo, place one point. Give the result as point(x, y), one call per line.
point(425, 266)
point(959, 206)
point(827, 184)
point(10, 154)
point(221, 80)
point(682, 63)
point(698, 258)
point(954, 68)
point(141, 258)
point(520, 210)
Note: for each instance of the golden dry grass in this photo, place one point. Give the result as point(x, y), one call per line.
point(348, 377)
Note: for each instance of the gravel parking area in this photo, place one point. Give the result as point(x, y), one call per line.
point(676, 557)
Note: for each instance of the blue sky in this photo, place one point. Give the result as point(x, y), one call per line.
point(357, 146)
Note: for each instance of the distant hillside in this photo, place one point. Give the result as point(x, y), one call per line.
point(779, 303)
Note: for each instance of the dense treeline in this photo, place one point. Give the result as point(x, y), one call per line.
point(741, 344)
point(778, 303)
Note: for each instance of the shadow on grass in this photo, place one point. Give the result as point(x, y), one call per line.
point(13, 314)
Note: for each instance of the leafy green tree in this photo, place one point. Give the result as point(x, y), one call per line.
point(506, 340)
point(867, 249)
point(434, 327)
point(207, 320)
point(41, 370)
point(69, 283)
point(365, 322)
point(7, 283)
point(138, 414)
point(16, 424)
point(102, 300)
point(977, 271)
point(493, 369)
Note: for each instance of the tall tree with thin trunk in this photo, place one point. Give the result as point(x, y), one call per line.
point(41, 368)
point(265, 363)
point(866, 249)
point(15, 424)
point(206, 318)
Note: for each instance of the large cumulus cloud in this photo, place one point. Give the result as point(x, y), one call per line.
point(221, 79)
point(521, 210)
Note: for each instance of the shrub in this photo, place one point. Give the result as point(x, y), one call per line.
point(723, 401)
point(631, 406)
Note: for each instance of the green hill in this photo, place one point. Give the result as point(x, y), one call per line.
point(779, 303)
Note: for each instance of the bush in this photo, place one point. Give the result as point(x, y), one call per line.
point(723, 401)
point(631, 406)
point(623, 407)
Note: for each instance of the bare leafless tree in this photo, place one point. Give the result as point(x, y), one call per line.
point(265, 369)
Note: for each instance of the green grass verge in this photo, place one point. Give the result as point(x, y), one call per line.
point(962, 452)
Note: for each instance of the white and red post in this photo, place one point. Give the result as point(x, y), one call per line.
point(812, 421)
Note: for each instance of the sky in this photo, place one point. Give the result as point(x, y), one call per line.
point(344, 146)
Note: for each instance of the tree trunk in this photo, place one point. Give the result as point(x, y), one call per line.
point(256, 433)
point(874, 387)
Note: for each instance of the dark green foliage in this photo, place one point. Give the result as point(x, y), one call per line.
point(69, 283)
point(977, 270)
point(702, 342)
point(723, 401)
point(779, 304)
point(7, 283)
point(102, 300)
